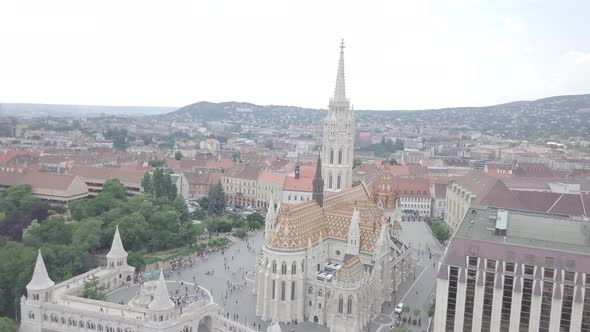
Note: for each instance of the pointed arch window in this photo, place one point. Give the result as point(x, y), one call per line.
point(331, 156)
point(349, 305)
point(340, 157)
point(274, 267)
point(338, 181)
point(284, 268)
point(294, 268)
point(340, 304)
point(330, 181)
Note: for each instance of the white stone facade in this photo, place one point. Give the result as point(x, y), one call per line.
point(60, 308)
point(457, 203)
point(338, 139)
point(290, 285)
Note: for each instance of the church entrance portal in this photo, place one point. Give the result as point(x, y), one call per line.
point(315, 319)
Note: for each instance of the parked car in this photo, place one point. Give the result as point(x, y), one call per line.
point(399, 308)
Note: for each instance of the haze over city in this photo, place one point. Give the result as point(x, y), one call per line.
point(258, 166)
point(401, 55)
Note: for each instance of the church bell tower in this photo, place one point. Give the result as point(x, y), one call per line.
point(338, 140)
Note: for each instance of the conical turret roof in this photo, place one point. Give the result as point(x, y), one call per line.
point(161, 301)
point(40, 278)
point(117, 250)
point(274, 327)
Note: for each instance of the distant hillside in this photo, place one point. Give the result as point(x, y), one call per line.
point(18, 109)
point(240, 112)
point(558, 117)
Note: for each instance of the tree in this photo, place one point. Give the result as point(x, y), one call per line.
point(157, 163)
point(119, 137)
point(146, 183)
point(16, 268)
point(18, 197)
point(87, 235)
point(236, 156)
point(115, 189)
point(400, 329)
point(440, 231)
point(160, 184)
point(356, 163)
point(255, 221)
point(93, 289)
point(215, 200)
point(54, 231)
point(7, 325)
point(356, 183)
point(431, 309)
point(178, 155)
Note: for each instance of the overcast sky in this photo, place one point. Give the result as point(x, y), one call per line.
point(399, 54)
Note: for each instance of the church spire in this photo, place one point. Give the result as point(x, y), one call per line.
point(40, 278)
point(318, 183)
point(340, 89)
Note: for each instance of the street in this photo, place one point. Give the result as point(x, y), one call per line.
point(414, 293)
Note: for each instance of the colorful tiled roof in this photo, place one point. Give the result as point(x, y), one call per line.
point(298, 224)
point(351, 274)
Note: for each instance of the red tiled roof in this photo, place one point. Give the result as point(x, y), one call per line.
point(271, 177)
point(241, 171)
point(39, 180)
point(440, 191)
point(128, 176)
point(412, 187)
point(215, 178)
point(301, 184)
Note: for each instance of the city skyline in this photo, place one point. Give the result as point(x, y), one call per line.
point(456, 53)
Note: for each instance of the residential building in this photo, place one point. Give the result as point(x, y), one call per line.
point(269, 185)
point(412, 156)
point(439, 193)
point(239, 184)
point(297, 189)
point(475, 188)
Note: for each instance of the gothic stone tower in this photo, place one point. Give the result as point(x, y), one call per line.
point(339, 132)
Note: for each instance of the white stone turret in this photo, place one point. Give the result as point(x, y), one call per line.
point(40, 286)
point(354, 234)
point(269, 221)
point(161, 301)
point(338, 140)
point(274, 327)
point(117, 256)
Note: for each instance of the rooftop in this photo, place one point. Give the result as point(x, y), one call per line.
point(529, 229)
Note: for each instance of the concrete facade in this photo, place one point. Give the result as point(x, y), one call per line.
point(514, 278)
